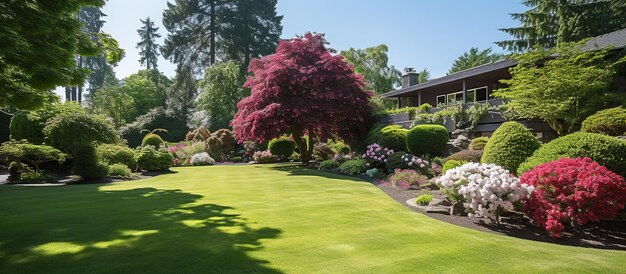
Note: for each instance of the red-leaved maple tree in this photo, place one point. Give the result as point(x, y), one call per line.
point(301, 90)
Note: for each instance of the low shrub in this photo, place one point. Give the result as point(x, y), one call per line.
point(450, 164)
point(466, 156)
point(295, 157)
point(282, 147)
point(607, 151)
point(199, 134)
point(221, 145)
point(150, 159)
point(152, 139)
point(424, 199)
point(339, 147)
point(329, 164)
point(119, 170)
point(86, 163)
point(488, 189)
point(406, 179)
point(185, 152)
point(509, 146)
point(237, 159)
point(573, 191)
point(396, 161)
point(609, 121)
point(478, 143)
point(70, 131)
point(37, 176)
point(202, 159)
point(401, 160)
point(16, 169)
point(116, 154)
point(322, 152)
point(376, 155)
point(427, 139)
point(375, 173)
point(393, 137)
point(352, 167)
point(30, 154)
point(264, 157)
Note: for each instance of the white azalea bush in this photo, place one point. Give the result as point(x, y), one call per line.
point(488, 189)
point(202, 159)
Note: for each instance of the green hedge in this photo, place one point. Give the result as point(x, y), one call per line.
point(352, 167)
point(282, 147)
point(393, 137)
point(117, 154)
point(609, 121)
point(509, 146)
point(427, 139)
point(150, 159)
point(607, 151)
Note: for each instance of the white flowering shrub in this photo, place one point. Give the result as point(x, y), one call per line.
point(202, 159)
point(488, 189)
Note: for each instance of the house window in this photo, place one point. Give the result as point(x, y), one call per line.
point(481, 94)
point(471, 96)
point(441, 100)
point(455, 98)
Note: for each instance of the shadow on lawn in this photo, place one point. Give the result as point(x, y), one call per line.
point(299, 170)
point(85, 229)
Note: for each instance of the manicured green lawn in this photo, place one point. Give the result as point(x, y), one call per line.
point(267, 218)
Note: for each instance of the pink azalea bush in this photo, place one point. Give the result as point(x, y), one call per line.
point(406, 179)
point(574, 192)
point(175, 148)
point(265, 156)
point(376, 155)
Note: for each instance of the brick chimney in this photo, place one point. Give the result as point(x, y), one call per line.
point(410, 78)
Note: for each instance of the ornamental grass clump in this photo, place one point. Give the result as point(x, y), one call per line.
point(488, 189)
point(406, 179)
point(376, 155)
point(573, 192)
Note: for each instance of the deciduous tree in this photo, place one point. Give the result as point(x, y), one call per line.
point(221, 90)
point(372, 63)
point(300, 90)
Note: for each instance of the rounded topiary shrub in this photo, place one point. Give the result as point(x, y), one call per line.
point(607, 151)
point(282, 147)
point(609, 121)
point(393, 137)
point(478, 143)
point(120, 171)
point(427, 139)
point(86, 163)
point(117, 154)
point(509, 146)
point(153, 140)
point(150, 159)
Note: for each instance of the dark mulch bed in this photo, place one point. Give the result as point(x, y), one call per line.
point(605, 234)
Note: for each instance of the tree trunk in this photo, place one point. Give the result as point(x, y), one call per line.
point(310, 146)
point(212, 49)
point(304, 155)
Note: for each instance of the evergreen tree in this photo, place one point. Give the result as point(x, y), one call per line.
point(424, 76)
point(148, 45)
point(202, 32)
point(474, 57)
point(548, 22)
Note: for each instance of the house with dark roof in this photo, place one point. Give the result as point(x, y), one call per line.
point(477, 84)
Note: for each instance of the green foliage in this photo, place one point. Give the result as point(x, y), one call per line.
point(150, 159)
point(189, 150)
point(36, 176)
point(464, 118)
point(30, 154)
point(86, 163)
point(323, 151)
point(116, 154)
point(395, 161)
point(478, 143)
point(40, 43)
point(450, 164)
point(175, 124)
point(282, 147)
point(152, 139)
point(111, 48)
point(15, 169)
point(221, 90)
point(467, 156)
point(150, 50)
point(473, 58)
point(413, 112)
point(120, 171)
point(375, 173)
point(329, 164)
point(69, 131)
point(372, 63)
point(221, 145)
point(607, 151)
point(427, 139)
point(29, 125)
point(424, 199)
point(373, 135)
point(339, 147)
point(393, 137)
point(611, 122)
point(352, 167)
point(571, 85)
point(113, 101)
point(509, 146)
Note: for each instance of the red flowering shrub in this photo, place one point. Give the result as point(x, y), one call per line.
point(573, 191)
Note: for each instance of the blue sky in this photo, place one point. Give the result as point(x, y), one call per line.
point(419, 33)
